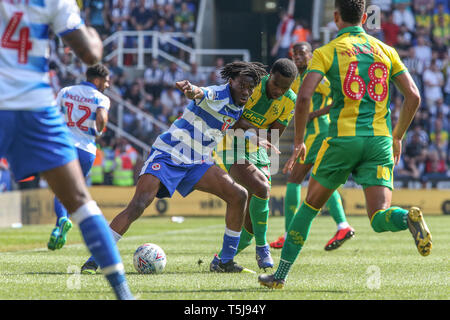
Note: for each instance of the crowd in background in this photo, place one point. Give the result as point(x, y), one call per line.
point(418, 29)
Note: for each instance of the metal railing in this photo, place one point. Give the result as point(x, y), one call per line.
point(145, 46)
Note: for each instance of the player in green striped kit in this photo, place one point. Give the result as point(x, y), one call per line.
point(269, 108)
point(316, 132)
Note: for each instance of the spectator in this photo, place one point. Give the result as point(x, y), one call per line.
point(403, 15)
point(433, 83)
point(300, 33)
point(171, 100)
point(134, 95)
point(172, 75)
point(153, 78)
point(390, 30)
point(284, 30)
point(423, 18)
point(435, 168)
point(96, 15)
point(423, 51)
point(196, 77)
point(184, 15)
point(441, 30)
point(120, 16)
point(141, 18)
point(220, 62)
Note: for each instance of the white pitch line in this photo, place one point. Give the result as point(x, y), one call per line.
point(124, 239)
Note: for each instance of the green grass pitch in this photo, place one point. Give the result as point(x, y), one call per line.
point(369, 266)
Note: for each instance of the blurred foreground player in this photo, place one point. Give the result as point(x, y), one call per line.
point(86, 114)
point(180, 158)
point(33, 136)
point(360, 140)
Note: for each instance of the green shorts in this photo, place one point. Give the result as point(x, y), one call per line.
point(313, 142)
point(259, 159)
point(370, 160)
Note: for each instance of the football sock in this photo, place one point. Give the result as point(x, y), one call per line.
point(392, 219)
point(334, 205)
point(116, 237)
point(296, 238)
point(259, 214)
point(292, 200)
point(59, 210)
point(229, 245)
point(100, 242)
point(244, 241)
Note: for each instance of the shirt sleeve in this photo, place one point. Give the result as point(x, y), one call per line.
point(65, 16)
point(318, 63)
point(104, 103)
point(288, 111)
point(397, 65)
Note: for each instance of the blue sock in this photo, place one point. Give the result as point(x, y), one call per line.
point(230, 244)
point(59, 210)
point(101, 244)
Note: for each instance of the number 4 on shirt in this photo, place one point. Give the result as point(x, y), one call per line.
point(23, 45)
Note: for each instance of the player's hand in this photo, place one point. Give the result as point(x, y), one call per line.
point(299, 152)
point(190, 91)
point(397, 149)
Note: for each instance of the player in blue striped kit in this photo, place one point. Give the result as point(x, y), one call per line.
point(180, 158)
point(85, 109)
point(33, 136)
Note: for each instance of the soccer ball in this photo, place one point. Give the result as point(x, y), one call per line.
point(149, 258)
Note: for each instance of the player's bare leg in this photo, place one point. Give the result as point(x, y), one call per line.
point(146, 189)
point(383, 217)
point(218, 182)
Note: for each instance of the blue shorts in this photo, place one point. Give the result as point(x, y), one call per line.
point(86, 161)
point(173, 176)
point(35, 141)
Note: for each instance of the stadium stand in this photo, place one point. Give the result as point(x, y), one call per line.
point(418, 29)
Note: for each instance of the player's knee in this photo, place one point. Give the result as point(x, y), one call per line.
point(137, 207)
point(239, 195)
point(262, 189)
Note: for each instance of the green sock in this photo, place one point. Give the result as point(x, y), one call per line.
point(244, 241)
point(292, 201)
point(259, 213)
point(334, 204)
point(296, 238)
point(392, 219)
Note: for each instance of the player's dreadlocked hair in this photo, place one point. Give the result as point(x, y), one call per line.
point(351, 11)
point(254, 70)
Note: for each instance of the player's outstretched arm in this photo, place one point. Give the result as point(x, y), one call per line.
point(190, 91)
point(411, 103)
point(86, 44)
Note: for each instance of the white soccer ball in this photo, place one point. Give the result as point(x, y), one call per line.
point(149, 258)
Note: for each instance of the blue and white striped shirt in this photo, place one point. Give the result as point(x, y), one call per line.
point(193, 136)
point(24, 49)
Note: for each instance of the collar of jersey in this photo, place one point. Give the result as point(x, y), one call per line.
point(90, 84)
point(352, 29)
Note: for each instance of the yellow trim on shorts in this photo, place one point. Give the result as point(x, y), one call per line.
point(320, 154)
